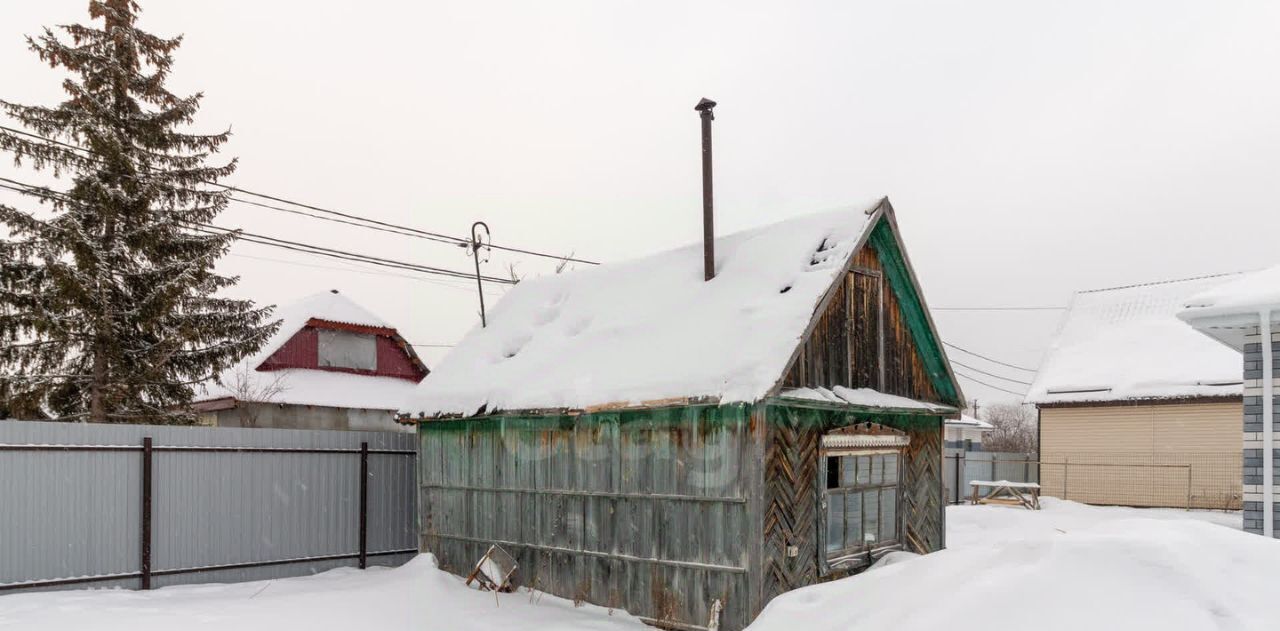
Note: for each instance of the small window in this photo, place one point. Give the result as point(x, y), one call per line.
point(861, 502)
point(344, 349)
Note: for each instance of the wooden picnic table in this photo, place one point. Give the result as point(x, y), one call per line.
point(1004, 492)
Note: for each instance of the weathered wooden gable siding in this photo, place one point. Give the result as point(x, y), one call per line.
point(904, 367)
point(845, 344)
point(793, 515)
point(646, 510)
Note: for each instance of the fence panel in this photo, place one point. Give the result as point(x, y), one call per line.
point(1179, 480)
point(962, 467)
point(1173, 480)
point(269, 503)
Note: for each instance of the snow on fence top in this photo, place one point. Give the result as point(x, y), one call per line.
point(310, 387)
point(1248, 293)
point(650, 329)
point(1127, 343)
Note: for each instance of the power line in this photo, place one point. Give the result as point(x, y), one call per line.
point(296, 246)
point(357, 270)
point(343, 254)
point(994, 361)
point(402, 229)
point(989, 374)
point(1014, 308)
point(349, 223)
point(981, 382)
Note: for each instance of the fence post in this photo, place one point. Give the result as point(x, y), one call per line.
point(959, 492)
point(1188, 487)
point(146, 513)
point(993, 467)
point(364, 505)
point(1065, 469)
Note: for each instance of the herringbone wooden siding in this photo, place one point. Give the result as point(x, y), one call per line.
point(922, 502)
point(792, 515)
point(791, 502)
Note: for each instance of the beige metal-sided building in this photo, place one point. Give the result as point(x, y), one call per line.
point(1137, 408)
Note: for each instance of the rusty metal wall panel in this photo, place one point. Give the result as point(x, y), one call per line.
point(72, 514)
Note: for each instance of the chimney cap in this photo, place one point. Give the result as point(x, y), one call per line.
point(704, 104)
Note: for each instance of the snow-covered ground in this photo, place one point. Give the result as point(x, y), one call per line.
point(413, 597)
point(1068, 567)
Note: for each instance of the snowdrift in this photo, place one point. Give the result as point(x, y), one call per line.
point(414, 597)
point(1140, 573)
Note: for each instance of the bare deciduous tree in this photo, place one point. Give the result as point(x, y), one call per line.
point(249, 390)
point(1015, 428)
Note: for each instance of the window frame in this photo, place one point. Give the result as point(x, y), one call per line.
point(327, 339)
point(860, 556)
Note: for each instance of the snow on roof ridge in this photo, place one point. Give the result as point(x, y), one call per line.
point(651, 328)
point(1156, 283)
point(332, 306)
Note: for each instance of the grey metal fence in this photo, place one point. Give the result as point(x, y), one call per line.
point(960, 467)
point(147, 506)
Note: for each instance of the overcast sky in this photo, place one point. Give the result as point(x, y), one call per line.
point(1030, 148)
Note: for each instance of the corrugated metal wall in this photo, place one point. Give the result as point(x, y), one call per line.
point(76, 513)
point(653, 511)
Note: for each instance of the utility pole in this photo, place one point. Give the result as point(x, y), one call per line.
point(477, 242)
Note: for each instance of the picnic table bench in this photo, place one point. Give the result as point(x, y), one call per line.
point(1024, 494)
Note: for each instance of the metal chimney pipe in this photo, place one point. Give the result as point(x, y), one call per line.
point(704, 108)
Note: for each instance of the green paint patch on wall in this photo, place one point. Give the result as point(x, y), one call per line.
point(831, 417)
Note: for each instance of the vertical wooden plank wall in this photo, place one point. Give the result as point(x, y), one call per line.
point(647, 510)
point(842, 350)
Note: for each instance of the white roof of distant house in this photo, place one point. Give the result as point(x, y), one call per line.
point(1127, 343)
point(300, 386)
point(969, 422)
point(648, 330)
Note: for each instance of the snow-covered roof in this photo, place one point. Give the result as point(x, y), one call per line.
point(1247, 293)
point(651, 329)
point(326, 388)
point(969, 422)
point(1128, 343)
point(1226, 312)
point(862, 397)
point(310, 387)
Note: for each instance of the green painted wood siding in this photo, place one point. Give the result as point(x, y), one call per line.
point(646, 510)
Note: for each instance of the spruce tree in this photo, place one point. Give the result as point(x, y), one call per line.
point(109, 303)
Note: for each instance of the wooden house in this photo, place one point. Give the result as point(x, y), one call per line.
point(688, 449)
point(332, 364)
point(1129, 397)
